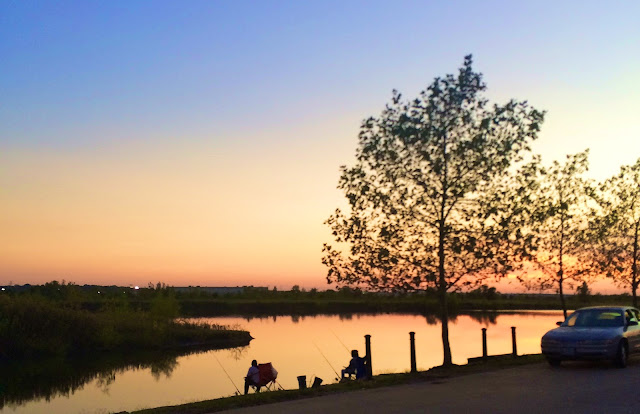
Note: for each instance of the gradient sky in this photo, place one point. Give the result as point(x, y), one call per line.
point(199, 142)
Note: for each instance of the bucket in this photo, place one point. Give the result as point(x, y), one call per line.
point(302, 382)
point(316, 382)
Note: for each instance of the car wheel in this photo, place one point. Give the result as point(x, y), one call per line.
point(554, 362)
point(622, 355)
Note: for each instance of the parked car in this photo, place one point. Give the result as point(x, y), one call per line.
point(600, 332)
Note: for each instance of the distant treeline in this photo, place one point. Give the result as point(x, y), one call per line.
point(260, 301)
point(64, 320)
point(166, 302)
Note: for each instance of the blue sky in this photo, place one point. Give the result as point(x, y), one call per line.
point(244, 110)
point(73, 66)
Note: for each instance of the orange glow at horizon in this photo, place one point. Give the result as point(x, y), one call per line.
point(184, 216)
point(194, 214)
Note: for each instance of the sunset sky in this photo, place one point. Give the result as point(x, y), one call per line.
point(199, 142)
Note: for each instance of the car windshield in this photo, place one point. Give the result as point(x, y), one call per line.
point(596, 318)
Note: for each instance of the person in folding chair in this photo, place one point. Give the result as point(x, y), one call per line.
point(356, 367)
point(260, 375)
point(252, 378)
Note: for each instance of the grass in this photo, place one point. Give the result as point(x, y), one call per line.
point(36, 327)
point(385, 380)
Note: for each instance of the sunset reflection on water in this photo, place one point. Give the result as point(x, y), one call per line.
point(299, 345)
point(314, 346)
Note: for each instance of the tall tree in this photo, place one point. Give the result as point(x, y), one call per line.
point(429, 195)
point(617, 227)
point(560, 225)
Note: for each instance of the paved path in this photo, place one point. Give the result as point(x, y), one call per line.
point(576, 387)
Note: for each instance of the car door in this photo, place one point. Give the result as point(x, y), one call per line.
point(633, 331)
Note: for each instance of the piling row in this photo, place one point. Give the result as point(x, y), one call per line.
point(412, 353)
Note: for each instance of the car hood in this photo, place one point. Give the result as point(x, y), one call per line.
point(581, 334)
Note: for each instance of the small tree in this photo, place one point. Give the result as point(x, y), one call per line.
point(583, 291)
point(560, 224)
point(616, 228)
point(429, 195)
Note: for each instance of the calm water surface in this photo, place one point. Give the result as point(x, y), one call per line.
point(314, 346)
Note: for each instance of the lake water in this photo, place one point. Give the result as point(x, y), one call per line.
point(314, 346)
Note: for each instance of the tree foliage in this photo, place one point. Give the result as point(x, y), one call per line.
point(583, 291)
point(432, 204)
point(616, 228)
point(560, 221)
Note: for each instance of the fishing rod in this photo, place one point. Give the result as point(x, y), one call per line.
point(325, 358)
point(228, 376)
point(334, 334)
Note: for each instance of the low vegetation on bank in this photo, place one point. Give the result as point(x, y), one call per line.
point(35, 325)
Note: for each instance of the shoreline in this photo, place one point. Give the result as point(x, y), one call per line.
point(383, 380)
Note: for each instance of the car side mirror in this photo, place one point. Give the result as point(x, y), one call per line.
point(558, 323)
point(632, 323)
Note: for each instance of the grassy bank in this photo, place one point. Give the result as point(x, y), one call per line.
point(33, 326)
point(434, 374)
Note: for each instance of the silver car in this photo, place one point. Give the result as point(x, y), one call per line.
point(602, 332)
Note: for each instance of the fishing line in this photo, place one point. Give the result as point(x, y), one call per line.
point(334, 334)
point(325, 358)
point(228, 376)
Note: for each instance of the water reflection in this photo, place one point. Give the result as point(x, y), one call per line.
point(47, 379)
point(345, 316)
point(239, 353)
point(291, 343)
point(484, 317)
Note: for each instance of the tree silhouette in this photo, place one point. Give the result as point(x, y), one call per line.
point(560, 225)
point(616, 228)
point(431, 202)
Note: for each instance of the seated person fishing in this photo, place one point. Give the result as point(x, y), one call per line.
point(356, 366)
point(252, 378)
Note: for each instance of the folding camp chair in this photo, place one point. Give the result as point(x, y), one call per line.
point(268, 375)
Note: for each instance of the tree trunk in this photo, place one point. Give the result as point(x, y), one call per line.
point(442, 280)
point(634, 267)
point(561, 268)
point(442, 295)
point(444, 312)
point(560, 291)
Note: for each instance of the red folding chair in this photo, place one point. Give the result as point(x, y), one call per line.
point(268, 375)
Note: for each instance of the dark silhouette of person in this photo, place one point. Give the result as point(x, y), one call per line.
point(252, 378)
point(356, 366)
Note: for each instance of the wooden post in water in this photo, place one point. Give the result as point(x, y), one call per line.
point(513, 341)
point(484, 343)
point(367, 345)
point(412, 344)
